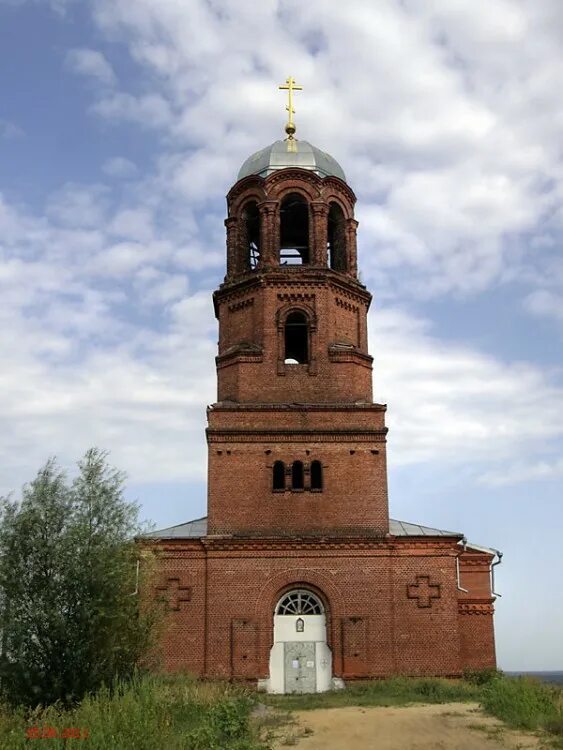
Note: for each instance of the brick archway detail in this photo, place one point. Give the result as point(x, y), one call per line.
point(320, 584)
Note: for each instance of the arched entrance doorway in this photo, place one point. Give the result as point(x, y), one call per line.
point(300, 659)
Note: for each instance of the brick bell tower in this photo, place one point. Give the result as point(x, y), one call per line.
point(296, 444)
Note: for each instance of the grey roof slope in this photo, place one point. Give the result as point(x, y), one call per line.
point(277, 156)
point(198, 528)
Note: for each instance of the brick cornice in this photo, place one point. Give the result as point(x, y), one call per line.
point(378, 545)
point(285, 407)
point(290, 435)
point(239, 354)
point(342, 354)
point(290, 174)
point(484, 561)
point(345, 286)
point(321, 544)
point(291, 276)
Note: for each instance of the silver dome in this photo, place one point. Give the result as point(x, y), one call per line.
point(303, 155)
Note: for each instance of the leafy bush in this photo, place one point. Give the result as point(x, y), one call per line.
point(523, 702)
point(481, 676)
point(68, 618)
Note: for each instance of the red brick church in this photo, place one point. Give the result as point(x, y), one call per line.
point(297, 579)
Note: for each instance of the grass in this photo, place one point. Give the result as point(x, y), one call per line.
point(396, 691)
point(148, 713)
point(526, 703)
point(178, 711)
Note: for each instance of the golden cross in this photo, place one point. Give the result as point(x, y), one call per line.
point(290, 86)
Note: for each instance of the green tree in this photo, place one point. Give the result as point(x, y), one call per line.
point(71, 618)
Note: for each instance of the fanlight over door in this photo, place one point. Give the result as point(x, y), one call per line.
point(300, 602)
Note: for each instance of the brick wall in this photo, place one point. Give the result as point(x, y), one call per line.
point(251, 338)
point(392, 606)
point(350, 445)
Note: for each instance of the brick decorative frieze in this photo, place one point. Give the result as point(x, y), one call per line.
point(474, 608)
point(346, 305)
point(248, 302)
point(296, 297)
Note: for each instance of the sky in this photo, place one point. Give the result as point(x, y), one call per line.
point(123, 124)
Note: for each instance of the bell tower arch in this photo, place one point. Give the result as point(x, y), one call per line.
point(292, 282)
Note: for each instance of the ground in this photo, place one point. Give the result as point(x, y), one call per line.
point(450, 726)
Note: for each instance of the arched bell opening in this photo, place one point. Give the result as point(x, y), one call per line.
point(296, 335)
point(251, 236)
point(336, 245)
point(294, 231)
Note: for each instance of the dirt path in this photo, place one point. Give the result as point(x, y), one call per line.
point(455, 726)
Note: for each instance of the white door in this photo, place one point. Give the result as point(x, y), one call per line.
point(300, 659)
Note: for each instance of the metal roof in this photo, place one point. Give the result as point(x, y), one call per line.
point(198, 528)
point(302, 154)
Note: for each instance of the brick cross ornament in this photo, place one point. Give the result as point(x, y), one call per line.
point(423, 591)
point(175, 593)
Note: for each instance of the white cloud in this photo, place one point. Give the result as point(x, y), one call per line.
point(133, 223)
point(82, 371)
point(9, 130)
point(545, 303)
point(79, 205)
point(159, 288)
point(451, 404)
point(448, 124)
point(89, 62)
point(150, 110)
point(119, 166)
point(523, 471)
point(447, 120)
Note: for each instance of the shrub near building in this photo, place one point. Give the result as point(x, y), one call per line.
point(69, 618)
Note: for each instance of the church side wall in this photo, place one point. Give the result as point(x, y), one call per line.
point(181, 585)
point(477, 638)
point(426, 622)
point(477, 635)
point(392, 607)
point(374, 627)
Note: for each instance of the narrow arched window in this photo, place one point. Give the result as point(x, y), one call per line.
point(296, 338)
point(294, 230)
point(337, 238)
point(251, 230)
point(278, 477)
point(297, 476)
point(316, 475)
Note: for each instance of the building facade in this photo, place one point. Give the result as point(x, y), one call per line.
point(297, 578)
